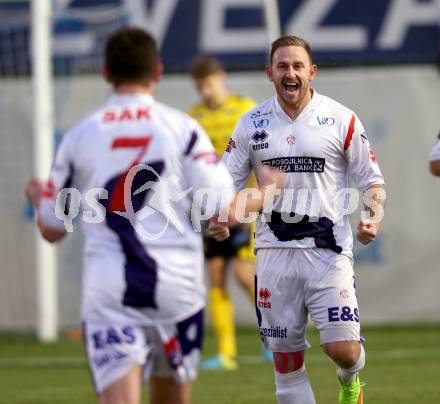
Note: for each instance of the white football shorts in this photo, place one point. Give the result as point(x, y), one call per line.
point(162, 351)
point(292, 283)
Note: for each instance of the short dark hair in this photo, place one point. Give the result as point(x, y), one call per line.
point(290, 40)
point(131, 56)
point(204, 66)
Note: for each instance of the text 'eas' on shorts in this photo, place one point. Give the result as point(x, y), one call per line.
point(161, 350)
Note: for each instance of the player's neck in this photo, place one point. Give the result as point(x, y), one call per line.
point(218, 100)
point(134, 89)
point(294, 110)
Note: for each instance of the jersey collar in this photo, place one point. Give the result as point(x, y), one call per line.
point(123, 98)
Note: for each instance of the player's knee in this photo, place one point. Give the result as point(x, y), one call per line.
point(287, 362)
point(344, 353)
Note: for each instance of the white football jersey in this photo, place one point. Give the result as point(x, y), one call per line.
point(435, 152)
point(143, 261)
point(317, 151)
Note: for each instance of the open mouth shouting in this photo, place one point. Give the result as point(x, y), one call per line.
point(291, 87)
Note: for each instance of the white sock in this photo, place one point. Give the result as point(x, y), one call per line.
point(294, 388)
point(347, 376)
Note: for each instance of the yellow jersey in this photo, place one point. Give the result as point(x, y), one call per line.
point(219, 123)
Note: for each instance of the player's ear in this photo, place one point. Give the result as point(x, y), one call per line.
point(313, 71)
point(157, 74)
point(106, 74)
point(269, 72)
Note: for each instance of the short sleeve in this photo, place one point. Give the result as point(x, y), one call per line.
point(435, 152)
point(362, 162)
point(236, 157)
point(61, 176)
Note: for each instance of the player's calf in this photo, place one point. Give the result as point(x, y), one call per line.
point(291, 380)
point(349, 357)
point(345, 354)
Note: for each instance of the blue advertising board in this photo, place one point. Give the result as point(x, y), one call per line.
point(340, 32)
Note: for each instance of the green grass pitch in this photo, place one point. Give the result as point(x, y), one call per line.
point(403, 366)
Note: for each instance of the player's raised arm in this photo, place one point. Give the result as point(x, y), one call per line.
point(434, 159)
point(43, 195)
point(368, 178)
point(374, 204)
point(248, 204)
point(207, 172)
point(236, 158)
point(35, 191)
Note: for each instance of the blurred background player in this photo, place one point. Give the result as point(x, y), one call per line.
point(142, 296)
point(434, 158)
point(218, 113)
point(305, 266)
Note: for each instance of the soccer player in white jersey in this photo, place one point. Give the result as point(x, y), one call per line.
point(143, 289)
point(304, 244)
point(434, 158)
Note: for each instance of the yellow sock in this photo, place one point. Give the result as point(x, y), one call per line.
point(222, 315)
point(252, 295)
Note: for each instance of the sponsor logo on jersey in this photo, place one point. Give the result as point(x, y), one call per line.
point(126, 115)
point(273, 332)
point(259, 136)
point(264, 296)
point(326, 120)
point(261, 123)
point(364, 137)
point(260, 146)
point(231, 145)
point(290, 139)
point(258, 114)
point(344, 313)
point(300, 164)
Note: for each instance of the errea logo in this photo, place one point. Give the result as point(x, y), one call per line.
point(263, 298)
point(259, 137)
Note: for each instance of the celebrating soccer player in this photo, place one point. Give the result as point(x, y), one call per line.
point(143, 290)
point(304, 262)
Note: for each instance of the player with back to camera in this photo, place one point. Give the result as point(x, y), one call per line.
point(218, 113)
point(434, 158)
point(305, 265)
point(142, 296)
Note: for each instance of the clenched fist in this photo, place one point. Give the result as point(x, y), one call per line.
point(367, 231)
